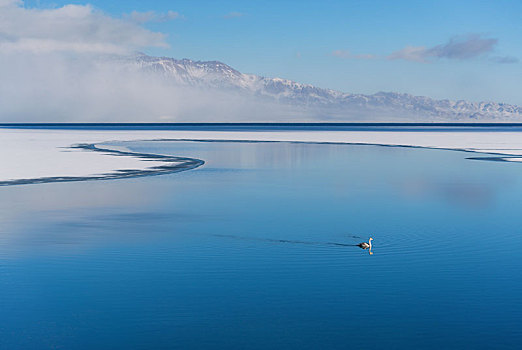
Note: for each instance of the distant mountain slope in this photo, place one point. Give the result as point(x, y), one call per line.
point(323, 102)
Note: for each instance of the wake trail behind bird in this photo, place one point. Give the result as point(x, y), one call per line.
point(272, 240)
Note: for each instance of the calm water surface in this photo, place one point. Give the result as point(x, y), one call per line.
point(252, 251)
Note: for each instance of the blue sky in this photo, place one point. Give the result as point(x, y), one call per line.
point(346, 45)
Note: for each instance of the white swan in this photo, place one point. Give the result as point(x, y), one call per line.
point(365, 245)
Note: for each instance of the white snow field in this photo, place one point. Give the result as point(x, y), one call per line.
point(33, 154)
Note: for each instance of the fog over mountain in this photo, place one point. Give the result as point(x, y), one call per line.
point(76, 63)
point(324, 103)
point(53, 87)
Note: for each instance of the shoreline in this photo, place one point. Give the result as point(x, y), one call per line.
point(172, 164)
point(140, 125)
point(44, 156)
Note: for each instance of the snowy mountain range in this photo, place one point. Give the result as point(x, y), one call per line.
point(325, 103)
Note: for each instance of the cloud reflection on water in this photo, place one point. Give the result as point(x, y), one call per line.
point(300, 176)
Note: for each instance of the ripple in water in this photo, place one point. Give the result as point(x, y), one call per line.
point(263, 255)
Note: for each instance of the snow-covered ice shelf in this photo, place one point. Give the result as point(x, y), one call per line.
point(33, 154)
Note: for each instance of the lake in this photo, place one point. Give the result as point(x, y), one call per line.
point(256, 249)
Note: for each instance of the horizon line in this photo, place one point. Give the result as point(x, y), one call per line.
point(302, 124)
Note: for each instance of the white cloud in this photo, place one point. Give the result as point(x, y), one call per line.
point(470, 46)
point(410, 53)
point(6, 3)
point(460, 48)
point(152, 16)
point(170, 15)
point(71, 28)
point(347, 54)
point(504, 59)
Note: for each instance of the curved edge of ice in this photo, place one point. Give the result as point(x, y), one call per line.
point(169, 164)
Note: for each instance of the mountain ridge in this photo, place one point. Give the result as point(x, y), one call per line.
point(341, 105)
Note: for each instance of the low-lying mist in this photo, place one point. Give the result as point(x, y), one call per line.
point(58, 87)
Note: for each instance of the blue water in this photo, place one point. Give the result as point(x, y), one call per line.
point(254, 250)
point(309, 126)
